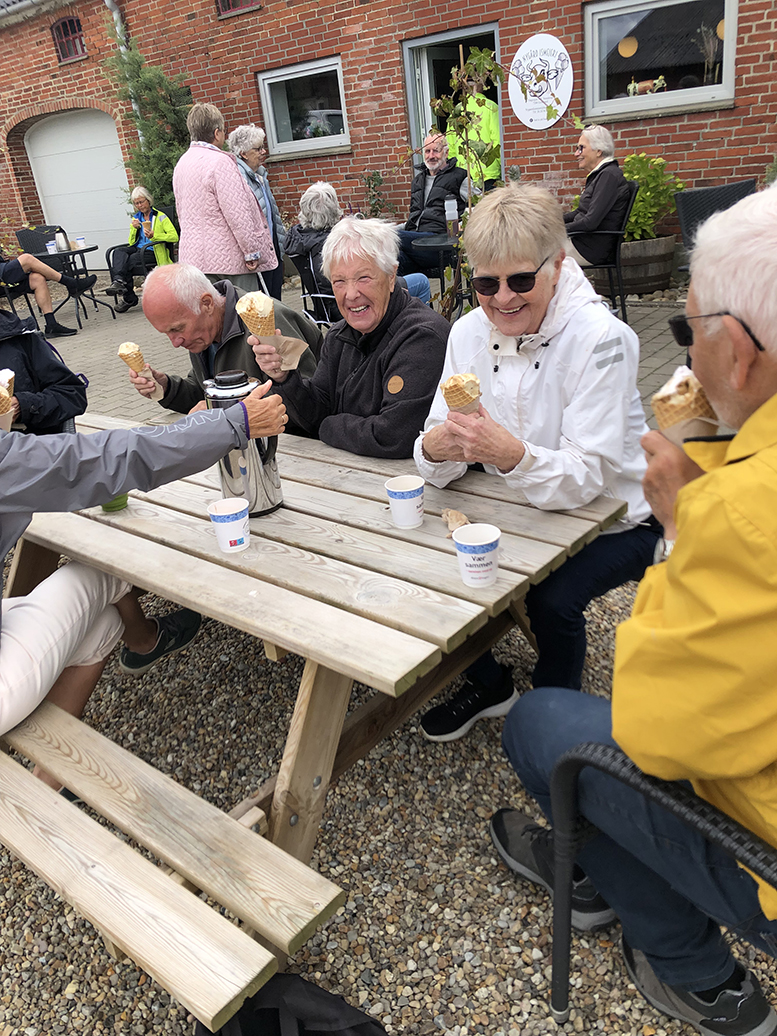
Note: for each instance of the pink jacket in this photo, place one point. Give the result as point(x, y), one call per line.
point(221, 224)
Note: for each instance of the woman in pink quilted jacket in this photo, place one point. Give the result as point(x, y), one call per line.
point(223, 231)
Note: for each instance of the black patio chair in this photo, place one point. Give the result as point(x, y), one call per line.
point(698, 204)
point(147, 252)
point(14, 292)
point(319, 305)
point(614, 263)
point(571, 832)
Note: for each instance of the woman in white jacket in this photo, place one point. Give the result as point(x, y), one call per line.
point(560, 421)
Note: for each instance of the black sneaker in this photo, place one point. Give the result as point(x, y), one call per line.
point(734, 1012)
point(473, 701)
point(527, 849)
point(84, 284)
point(116, 288)
point(55, 330)
point(124, 304)
point(176, 631)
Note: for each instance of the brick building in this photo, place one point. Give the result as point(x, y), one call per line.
point(343, 89)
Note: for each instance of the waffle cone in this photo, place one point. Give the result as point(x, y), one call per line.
point(5, 401)
point(7, 378)
point(132, 356)
point(252, 310)
point(685, 401)
point(462, 393)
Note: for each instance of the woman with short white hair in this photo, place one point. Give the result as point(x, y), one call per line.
point(603, 202)
point(149, 228)
point(380, 365)
point(247, 144)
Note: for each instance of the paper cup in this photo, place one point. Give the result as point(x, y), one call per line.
point(80, 242)
point(51, 247)
point(477, 548)
point(230, 520)
point(406, 496)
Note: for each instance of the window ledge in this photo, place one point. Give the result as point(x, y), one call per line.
point(222, 16)
point(72, 61)
point(343, 149)
point(653, 113)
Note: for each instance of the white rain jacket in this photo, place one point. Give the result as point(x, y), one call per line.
point(569, 393)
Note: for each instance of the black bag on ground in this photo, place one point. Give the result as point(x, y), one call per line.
point(287, 1005)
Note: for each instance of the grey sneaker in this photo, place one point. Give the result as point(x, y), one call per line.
point(527, 849)
point(473, 701)
point(734, 1012)
point(176, 631)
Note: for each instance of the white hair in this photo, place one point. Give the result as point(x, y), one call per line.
point(364, 239)
point(185, 282)
point(734, 264)
point(244, 138)
point(600, 139)
point(318, 207)
point(141, 192)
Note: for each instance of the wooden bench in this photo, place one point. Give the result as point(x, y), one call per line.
point(148, 912)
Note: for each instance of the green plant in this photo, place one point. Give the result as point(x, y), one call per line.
point(655, 198)
point(771, 172)
point(377, 202)
point(160, 104)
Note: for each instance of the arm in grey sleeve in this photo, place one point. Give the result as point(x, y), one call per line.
point(67, 472)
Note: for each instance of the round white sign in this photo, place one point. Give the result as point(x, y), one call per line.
point(540, 81)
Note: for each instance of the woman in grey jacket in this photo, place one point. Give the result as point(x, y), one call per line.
point(247, 143)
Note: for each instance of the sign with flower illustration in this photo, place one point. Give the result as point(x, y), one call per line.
point(540, 81)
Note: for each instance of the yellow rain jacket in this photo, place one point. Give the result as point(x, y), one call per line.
point(695, 682)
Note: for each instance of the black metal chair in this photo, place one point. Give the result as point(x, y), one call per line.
point(698, 204)
point(614, 265)
point(147, 253)
point(319, 305)
point(14, 292)
point(571, 832)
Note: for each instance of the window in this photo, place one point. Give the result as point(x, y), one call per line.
point(68, 39)
point(644, 56)
point(235, 6)
point(304, 107)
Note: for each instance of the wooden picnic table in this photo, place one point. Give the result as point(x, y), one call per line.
point(329, 578)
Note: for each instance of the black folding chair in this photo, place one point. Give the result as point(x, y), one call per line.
point(697, 205)
point(570, 832)
point(614, 264)
point(319, 305)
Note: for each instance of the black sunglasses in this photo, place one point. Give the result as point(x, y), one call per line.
point(683, 332)
point(520, 283)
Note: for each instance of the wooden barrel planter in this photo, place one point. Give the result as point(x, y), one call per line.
point(646, 266)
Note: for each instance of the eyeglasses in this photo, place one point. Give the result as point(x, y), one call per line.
point(683, 332)
point(520, 283)
point(577, 148)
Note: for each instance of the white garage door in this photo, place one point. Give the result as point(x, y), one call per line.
point(79, 172)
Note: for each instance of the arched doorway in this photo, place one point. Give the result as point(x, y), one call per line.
point(79, 173)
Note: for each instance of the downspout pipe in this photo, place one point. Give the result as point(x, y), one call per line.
point(113, 7)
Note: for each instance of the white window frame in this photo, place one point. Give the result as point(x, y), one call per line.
point(295, 147)
point(671, 100)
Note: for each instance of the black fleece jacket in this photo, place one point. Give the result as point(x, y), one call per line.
point(602, 207)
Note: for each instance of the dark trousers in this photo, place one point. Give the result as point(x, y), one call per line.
point(126, 261)
point(670, 888)
point(555, 606)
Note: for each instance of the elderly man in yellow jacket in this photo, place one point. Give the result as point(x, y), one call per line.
point(695, 685)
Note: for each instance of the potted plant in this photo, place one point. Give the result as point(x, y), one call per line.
point(647, 258)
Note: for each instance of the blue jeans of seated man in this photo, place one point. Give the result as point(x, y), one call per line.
point(555, 606)
point(418, 287)
point(667, 884)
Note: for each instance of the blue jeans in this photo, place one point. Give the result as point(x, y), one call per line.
point(670, 888)
point(418, 287)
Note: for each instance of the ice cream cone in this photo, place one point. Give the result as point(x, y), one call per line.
point(132, 356)
point(683, 399)
point(7, 378)
point(257, 312)
point(5, 401)
point(462, 393)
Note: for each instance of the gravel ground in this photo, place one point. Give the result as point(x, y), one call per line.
point(436, 934)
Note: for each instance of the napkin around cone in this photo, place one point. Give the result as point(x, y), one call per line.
point(289, 349)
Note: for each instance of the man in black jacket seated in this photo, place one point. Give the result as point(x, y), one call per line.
point(603, 201)
point(380, 366)
point(46, 393)
point(439, 179)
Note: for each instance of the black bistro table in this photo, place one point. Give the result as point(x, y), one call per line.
point(74, 265)
point(447, 249)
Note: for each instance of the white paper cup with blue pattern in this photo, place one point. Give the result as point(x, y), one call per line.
point(406, 497)
point(230, 520)
point(477, 548)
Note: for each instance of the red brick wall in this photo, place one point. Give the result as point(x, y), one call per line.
point(221, 58)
